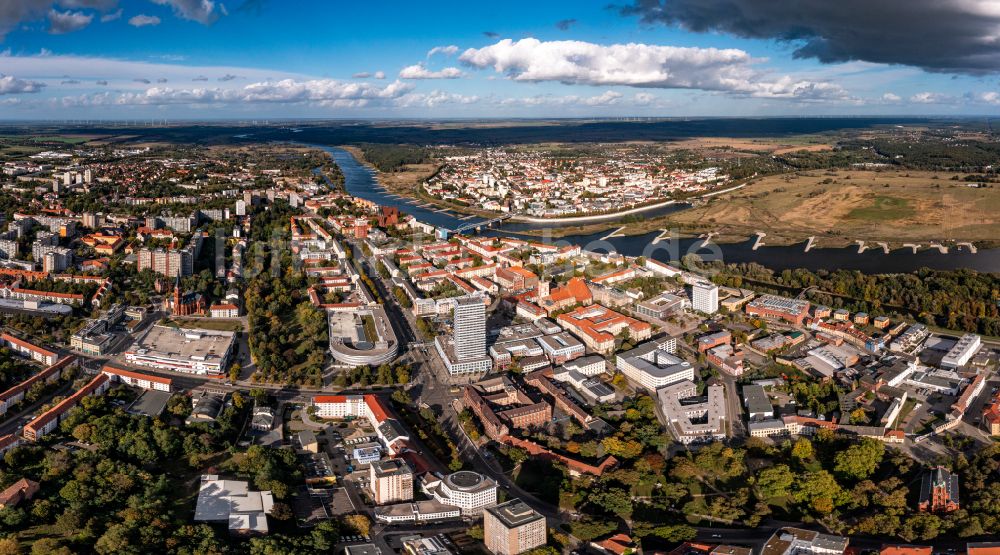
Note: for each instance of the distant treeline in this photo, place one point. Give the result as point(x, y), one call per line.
point(390, 158)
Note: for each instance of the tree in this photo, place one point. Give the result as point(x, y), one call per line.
point(588, 529)
point(623, 449)
point(860, 460)
point(819, 491)
point(803, 450)
point(10, 546)
point(281, 511)
point(775, 481)
point(359, 523)
point(234, 372)
point(49, 546)
point(476, 532)
point(402, 397)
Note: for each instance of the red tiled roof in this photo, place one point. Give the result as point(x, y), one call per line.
point(329, 399)
point(136, 375)
point(376, 407)
point(22, 343)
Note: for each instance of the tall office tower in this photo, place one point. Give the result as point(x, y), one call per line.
point(705, 297)
point(470, 328)
point(465, 351)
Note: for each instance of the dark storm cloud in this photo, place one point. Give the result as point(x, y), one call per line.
point(949, 36)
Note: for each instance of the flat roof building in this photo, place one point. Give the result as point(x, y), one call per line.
point(391, 481)
point(774, 307)
point(652, 366)
point(192, 351)
point(232, 502)
point(512, 528)
point(469, 491)
point(691, 419)
point(959, 355)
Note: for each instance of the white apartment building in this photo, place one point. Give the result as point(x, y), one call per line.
point(705, 297)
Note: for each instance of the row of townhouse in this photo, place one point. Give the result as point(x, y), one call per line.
point(16, 393)
point(29, 350)
point(47, 421)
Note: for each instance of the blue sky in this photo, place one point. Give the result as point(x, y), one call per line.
point(182, 59)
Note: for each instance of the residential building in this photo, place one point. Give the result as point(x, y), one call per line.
point(512, 528)
point(21, 490)
point(170, 263)
point(29, 350)
point(136, 379)
point(705, 297)
point(48, 420)
point(391, 481)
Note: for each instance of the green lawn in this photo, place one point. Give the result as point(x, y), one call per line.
point(883, 208)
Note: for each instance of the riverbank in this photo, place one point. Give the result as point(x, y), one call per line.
point(778, 252)
point(406, 183)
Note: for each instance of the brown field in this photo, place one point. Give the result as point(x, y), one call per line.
point(770, 146)
point(849, 205)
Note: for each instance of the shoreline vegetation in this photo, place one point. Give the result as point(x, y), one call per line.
point(701, 217)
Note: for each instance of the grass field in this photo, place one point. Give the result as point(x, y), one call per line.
point(895, 206)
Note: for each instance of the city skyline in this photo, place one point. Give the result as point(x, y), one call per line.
point(109, 59)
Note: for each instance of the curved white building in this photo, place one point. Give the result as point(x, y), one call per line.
point(363, 336)
point(469, 491)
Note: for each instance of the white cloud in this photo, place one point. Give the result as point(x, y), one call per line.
point(14, 12)
point(433, 99)
point(606, 99)
point(12, 85)
point(930, 98)
point(641, 65)
point(419, 71)
point(112, 16)
point(321, 92)
point(61, 23)
point(142, 20)
point(449, 50)
point(891, 97)
point(379, 75)
point(87, 68)
point(202, 11)
point(643, 99)
point(990, 98)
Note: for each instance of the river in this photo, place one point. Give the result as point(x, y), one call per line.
point(360, 181)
